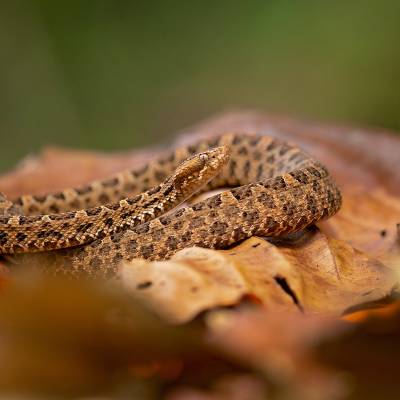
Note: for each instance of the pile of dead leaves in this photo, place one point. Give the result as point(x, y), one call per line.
point(309, 316)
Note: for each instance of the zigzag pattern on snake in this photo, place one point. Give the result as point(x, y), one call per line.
point(279, 189)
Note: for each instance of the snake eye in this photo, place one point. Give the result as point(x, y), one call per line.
point(203, 157)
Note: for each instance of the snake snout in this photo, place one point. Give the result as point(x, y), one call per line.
point(218, 156)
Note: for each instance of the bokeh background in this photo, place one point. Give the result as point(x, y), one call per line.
point(118, 74)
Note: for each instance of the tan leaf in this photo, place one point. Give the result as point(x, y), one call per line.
point(367, 221)
point(193, 280)
point(313, 274)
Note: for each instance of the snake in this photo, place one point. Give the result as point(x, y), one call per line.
point(270, 188)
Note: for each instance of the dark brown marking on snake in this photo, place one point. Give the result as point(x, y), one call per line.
point(94, 211)
point(301, 222)
point(165, 220)
point(95, 262)
point(84, 190)
point(301, 177)
point(278, 183)
point(146, 182)
point(147, 250)
point(243, 151)
point(104, 198)
point(214, 142)
point(179, 213)
point(129, 187)
point(3, 237)
point(114, 206)
point(117, 258)
point(101, 234)
point(271, 146)
point(131, 246)
point(315, 186)
point(237, 194)
point(84, 227)
point(4, 220)
point(289, 208)
point(283, 150)
point(141, 229)
point(33, 209)
point(54, 209)
point(39, 199)
point(253, 217)
point(168, 190)
point(215, 201)
point(271, 223)
point(218, 228)
point(141, 171)
point(41, 234)
point(231, 210)
point(59, 196)
point(23, 220)
point(257, 155)
point(186, 237)
point(192, 149)
point(133, 200)
point(314, 172)
point(237, 140)
point(154, 190)
point(325, 213)
point(172, 243)
point(246, 168)
point(295, 156)
point(109, 222)
point(238, 234)
point(232, 167)
point(260, 170)
point(178, 225)
point(196, 222)
point(255, 140)
point(111, 182)
point(160, 175)
point(198, 206)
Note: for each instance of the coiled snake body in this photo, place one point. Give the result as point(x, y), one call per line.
point(279, 189)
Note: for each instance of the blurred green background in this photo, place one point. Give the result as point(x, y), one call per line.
point(118, 74)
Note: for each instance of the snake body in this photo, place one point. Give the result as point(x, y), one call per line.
point(24, 233)
point(277, 189)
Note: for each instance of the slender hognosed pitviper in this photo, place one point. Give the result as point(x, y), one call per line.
point(279, 189)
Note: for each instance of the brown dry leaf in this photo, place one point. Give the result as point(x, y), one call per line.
point(193, 280)
point(367, 221)
point(312, 273)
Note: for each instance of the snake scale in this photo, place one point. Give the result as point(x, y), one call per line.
point(275, 189)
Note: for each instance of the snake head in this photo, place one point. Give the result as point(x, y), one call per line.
point(199, 169)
